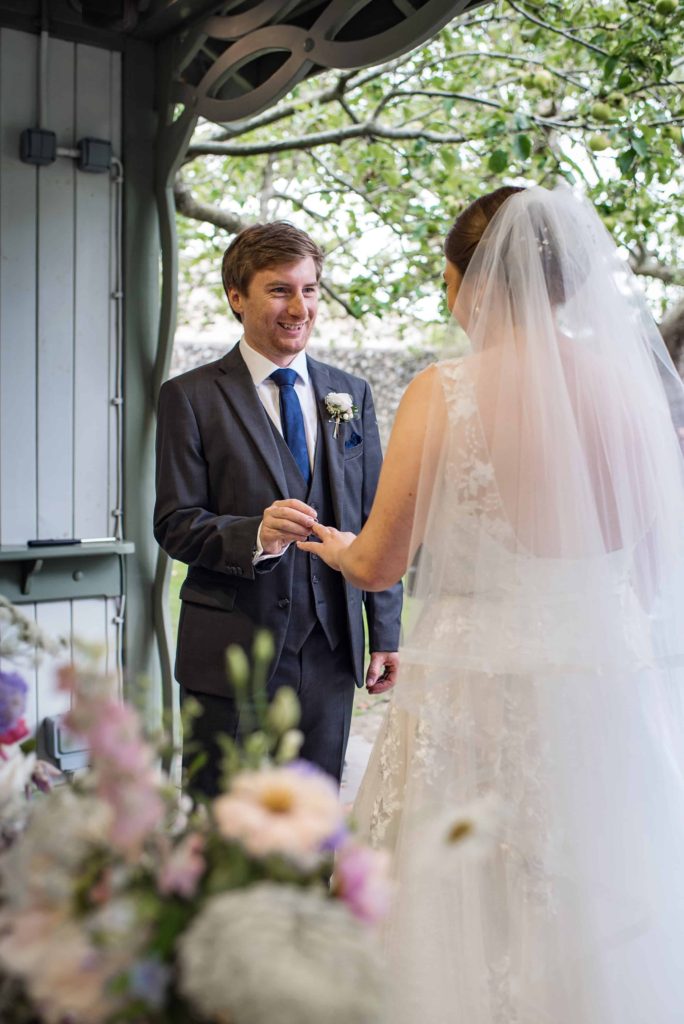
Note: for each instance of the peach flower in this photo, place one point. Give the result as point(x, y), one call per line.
point(290, 811)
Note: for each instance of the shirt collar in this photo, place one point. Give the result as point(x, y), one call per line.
point(260, 368)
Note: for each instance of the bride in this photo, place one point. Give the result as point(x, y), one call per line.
point(528, 777)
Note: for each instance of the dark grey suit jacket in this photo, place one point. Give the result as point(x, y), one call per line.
point(218, 468)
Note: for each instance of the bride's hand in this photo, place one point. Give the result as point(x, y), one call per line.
point(330, 546)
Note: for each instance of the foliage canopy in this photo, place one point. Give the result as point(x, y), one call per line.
point(376, 163)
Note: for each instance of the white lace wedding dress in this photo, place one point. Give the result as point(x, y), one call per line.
point(527, 774)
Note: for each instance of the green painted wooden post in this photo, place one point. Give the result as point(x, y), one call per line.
point(141, 319)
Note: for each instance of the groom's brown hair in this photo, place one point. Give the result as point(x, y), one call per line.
point(262, 246)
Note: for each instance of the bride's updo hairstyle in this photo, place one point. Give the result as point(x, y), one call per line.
point(469, 227)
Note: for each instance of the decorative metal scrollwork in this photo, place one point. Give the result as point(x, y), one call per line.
point(241, 61)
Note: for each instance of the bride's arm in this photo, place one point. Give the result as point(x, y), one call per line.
point(380, 555)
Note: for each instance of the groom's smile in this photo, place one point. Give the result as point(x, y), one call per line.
point(278, 311)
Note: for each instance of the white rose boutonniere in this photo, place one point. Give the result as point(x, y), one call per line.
point(341, 407)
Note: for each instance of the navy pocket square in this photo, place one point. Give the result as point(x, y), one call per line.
point(353, 440)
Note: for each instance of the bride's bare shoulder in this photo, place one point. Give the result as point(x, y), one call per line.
point(444, 369)
point(424, 394)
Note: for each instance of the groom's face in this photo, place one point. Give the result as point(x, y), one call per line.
point(279, 309)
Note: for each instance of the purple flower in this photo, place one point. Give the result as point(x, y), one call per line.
point(13, 690)
point(361, 880)
point(148, 980)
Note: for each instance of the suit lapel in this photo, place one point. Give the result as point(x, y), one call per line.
point(235, 381)
point(334, 447)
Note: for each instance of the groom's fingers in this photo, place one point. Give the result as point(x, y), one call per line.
point(382, 671)
point(322, 532)
point(289, 518)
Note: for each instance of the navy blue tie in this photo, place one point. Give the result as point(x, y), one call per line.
point(292, 420)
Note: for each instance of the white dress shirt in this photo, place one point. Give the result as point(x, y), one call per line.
point(260, 369)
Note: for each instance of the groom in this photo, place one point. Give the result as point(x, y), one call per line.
point(249, 456)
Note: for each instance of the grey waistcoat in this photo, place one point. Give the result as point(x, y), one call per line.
point(317, 590)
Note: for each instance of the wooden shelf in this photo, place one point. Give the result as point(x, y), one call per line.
point(62, 572)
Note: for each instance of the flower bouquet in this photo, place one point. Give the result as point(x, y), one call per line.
point(122, 901)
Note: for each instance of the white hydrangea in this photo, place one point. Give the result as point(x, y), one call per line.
point(40, 870)
point(15, 774)
point(279, 953)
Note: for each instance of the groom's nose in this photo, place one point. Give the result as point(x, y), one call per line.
point(296, 307)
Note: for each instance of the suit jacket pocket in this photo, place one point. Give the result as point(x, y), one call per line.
point(353, 452)
point(212, 597)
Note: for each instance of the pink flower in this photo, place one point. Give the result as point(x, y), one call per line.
point(138, 810)
point(361, 881)
point(115, 739)
point(44, 774)
point(18, 732)
point(122, 762)
point(102, 891)
point(183, 867)
point(281, 810)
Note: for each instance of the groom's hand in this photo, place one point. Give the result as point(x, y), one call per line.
point(382, 672)
point(285, 522)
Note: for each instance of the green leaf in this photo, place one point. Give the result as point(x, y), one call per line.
point(522, 146)
point(521, 122)
point(625, 161)
point(498, 161)
point(639, 145)
point(609, 66)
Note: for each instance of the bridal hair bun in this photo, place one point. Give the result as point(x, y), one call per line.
point(468, 228)
point(542, 227)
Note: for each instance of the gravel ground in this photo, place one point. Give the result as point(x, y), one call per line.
point(368, 714)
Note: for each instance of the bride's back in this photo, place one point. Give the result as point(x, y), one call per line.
point(569, 469)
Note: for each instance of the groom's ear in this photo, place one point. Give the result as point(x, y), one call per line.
point(235, 302)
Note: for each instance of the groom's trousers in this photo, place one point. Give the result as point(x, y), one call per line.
point(323, 680)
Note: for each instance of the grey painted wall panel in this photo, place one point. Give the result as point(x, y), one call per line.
point(93, 277)
point(55, 232)
point(58, 440)
point(18, 226)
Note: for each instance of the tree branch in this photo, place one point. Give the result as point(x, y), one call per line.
point(349, 186)
point(646, 265)
point(559, 31)
point(267, 189)
point(672, 330)
point(197, 210)
point(337, 298)
point(367, 130)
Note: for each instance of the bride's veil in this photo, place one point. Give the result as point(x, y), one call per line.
point(557, 439)
point(545, 641)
